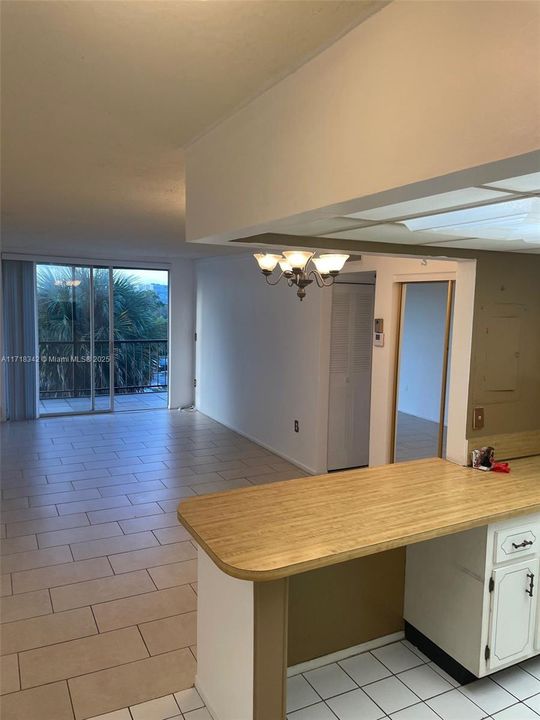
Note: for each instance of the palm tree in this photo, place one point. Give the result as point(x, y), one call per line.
point(63, 301)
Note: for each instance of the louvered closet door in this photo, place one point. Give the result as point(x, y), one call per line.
point(350, 376)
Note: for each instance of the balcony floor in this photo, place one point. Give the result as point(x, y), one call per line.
point(134, 401)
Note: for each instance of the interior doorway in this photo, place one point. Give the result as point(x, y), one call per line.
point(422, 370)
point(351, 341)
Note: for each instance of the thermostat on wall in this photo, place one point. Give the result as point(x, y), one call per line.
point(378, 339)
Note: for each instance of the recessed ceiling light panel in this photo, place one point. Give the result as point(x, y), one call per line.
point(443, 201)
point(513, 220)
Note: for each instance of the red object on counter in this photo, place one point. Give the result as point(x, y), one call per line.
point(500, 467)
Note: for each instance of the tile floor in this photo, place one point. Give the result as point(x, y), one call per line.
point(398, 682)
point(417, 438)
point(98, 579)
point(98, 584)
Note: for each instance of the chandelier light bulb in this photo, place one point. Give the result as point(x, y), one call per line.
point(297, 259)
point(322, 265)
point(334, 263)
point(267, 262)
point(285, 266)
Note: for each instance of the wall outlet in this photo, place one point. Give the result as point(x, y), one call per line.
point(296, 426)
point(478, 418)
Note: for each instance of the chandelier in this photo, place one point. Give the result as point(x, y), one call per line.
point(300, 268)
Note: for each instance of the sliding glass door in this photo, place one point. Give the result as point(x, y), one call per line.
point(103, 338)
point(72, 323)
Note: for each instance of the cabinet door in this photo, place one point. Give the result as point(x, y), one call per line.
point(513, 612)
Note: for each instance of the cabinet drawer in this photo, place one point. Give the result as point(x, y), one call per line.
point(516, 541)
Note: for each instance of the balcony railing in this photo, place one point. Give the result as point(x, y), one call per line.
point(65, 367)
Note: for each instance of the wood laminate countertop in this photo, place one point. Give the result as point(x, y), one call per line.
point(273, 531)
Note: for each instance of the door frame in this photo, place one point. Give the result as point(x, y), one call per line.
point(402, 294)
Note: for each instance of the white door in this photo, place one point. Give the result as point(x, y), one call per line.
point(513, 612)
point(350, 375)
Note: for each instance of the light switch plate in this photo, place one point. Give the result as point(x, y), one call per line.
point(378, 339)
point(478, 418)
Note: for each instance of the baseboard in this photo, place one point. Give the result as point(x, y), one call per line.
point(264, 445)
point(438, 655)
point(343, 654)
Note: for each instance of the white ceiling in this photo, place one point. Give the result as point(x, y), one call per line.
point(451, 211)
point(98, 99)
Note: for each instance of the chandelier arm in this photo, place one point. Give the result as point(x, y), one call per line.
point(267, 278)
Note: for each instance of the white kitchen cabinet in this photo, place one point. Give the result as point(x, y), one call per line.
point(473, 595)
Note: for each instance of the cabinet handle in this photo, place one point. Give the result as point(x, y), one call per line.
point(525, 543)
point(529, 591)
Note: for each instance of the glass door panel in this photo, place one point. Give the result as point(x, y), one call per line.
point(64, 335)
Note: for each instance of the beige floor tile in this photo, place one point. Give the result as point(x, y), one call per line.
point(64, 497)
point(12, 516)
point(9, 674)
point(181, 573)
point(25, 605)
point(77, 535)
point(19, 544)
point(111, 546)
point(131, 684)
point(188, 700)
point(15, 504)
point(61, 574)
point(46, 630)
point(150, 522)
point(101, 590)
point(115, 715)
point(159, 709)
point(36, 559)
point(174, 534)
point(170, 633)
point(151, 557)
point(144, 608)
point(123, 513)
point(5, 585)
point(78, 657)
point(49, 702)
point(158, 495)
point(92, 505)
point(29, 527)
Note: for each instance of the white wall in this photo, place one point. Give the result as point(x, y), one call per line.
point(420, 90)
point(181, 333)
point(422, 350)
point(259, 357)
point(263, 357)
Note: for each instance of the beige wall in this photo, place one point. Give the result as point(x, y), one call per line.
point(418, 91)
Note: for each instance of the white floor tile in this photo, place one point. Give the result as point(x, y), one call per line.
point(416, 712)
point(455, 706)
point(516, 712)
point(300, 693)
point(532, 666)
point(415, 650)
point(201, 714)
point(315, 712)
point(518, 682)
point(188, 700)
point(353, 705)
point(365, 668)
point(330, 680)
point(425, 682)
point(488, 695)
point(534, 703)
point(160, 709)
point(397, 657)
point(443, 674)
point(391, 694)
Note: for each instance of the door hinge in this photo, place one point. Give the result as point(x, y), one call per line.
point(195, 337)
point(487, 652)
point(194, 382)
point(491, 584)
